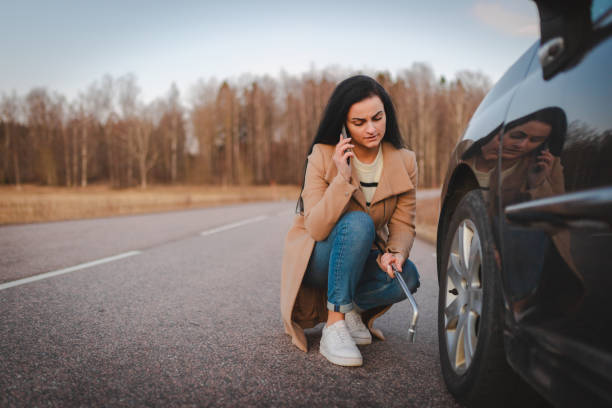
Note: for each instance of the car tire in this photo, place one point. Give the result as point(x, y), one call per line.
point(470, 318)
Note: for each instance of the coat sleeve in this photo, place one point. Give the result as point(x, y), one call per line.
point(401, 225)
point(324, 202)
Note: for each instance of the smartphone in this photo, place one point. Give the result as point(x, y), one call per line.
point(538, 167)
point(541, 148)
point(344, 135)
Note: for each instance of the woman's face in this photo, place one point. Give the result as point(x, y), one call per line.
point(366, 122)
point(524, 138)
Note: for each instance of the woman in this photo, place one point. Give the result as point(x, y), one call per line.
point(358, 198)
point(531, 147)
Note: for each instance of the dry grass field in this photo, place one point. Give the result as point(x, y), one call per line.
point(427, 218)
point(40, 204)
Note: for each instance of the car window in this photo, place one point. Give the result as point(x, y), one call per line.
point(599, 9)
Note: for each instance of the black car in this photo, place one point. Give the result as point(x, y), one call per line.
point(525, 229)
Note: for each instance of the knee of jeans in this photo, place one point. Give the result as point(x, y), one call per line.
point(411, 276)
point(359, 224)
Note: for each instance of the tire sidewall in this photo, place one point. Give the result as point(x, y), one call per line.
point(465, 386)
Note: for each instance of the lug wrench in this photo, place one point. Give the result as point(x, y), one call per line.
point(413, 303)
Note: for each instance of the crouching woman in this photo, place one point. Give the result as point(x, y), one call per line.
point(356, 219)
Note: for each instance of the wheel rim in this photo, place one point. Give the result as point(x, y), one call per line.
point(463, 296)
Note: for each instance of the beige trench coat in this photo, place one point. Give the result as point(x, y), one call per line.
point(327, 196)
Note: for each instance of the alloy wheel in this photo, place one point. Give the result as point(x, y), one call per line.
point(463, 296)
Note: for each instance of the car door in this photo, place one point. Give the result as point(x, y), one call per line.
point(554, 200)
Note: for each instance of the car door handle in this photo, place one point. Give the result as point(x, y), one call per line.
point(590, 209)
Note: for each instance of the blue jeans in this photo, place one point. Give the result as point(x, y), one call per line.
point(346, 265)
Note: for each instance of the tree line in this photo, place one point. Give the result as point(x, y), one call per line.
point(253, 130)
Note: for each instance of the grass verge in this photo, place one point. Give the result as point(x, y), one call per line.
point(427, 213)
point(41, 204)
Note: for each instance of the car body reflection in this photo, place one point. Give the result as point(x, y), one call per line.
point(538, 152)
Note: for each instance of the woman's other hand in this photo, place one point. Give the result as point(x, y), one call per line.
point(387, 259)
point(341, 155)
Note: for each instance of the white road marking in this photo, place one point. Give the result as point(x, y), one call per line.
point(120, 256)
point(233, 225)
point(67, 270)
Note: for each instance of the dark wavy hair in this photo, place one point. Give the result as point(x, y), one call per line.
point(348, 92)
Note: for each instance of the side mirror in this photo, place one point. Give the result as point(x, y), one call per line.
point(565, 28)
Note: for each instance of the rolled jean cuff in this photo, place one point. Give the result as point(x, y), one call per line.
point(340, 308)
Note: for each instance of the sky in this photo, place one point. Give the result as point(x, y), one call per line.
point(66, 45)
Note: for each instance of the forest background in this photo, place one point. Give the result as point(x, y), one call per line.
point(109, 153)
point(251, 131)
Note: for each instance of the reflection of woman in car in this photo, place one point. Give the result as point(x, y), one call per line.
point(526, 154)
point(531, 146)
point(530, 166)
point(346, 209)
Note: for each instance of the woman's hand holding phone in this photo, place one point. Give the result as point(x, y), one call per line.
point(341, 157)
point(541, 169)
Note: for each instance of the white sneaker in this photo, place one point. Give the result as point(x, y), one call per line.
point(359, 332)
point(338, 346)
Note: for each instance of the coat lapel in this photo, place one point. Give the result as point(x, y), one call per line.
point(358, 196)
point(394, 179)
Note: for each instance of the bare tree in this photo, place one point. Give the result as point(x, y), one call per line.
point(419, 108)
point(143, 150)
point(84, 123)
point(202, 119)
point(99, 102)
point(40, 135)
point(9, 109)
point(57, 122)
point(175, 114)
point(128, 102)
point(71, 145)
point(227, 130)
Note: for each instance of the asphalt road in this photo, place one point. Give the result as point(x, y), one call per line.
point(188, 319)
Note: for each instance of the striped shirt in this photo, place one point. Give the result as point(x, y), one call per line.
point(369, 175)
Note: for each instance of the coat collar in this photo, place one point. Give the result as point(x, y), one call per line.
point(394, 179)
